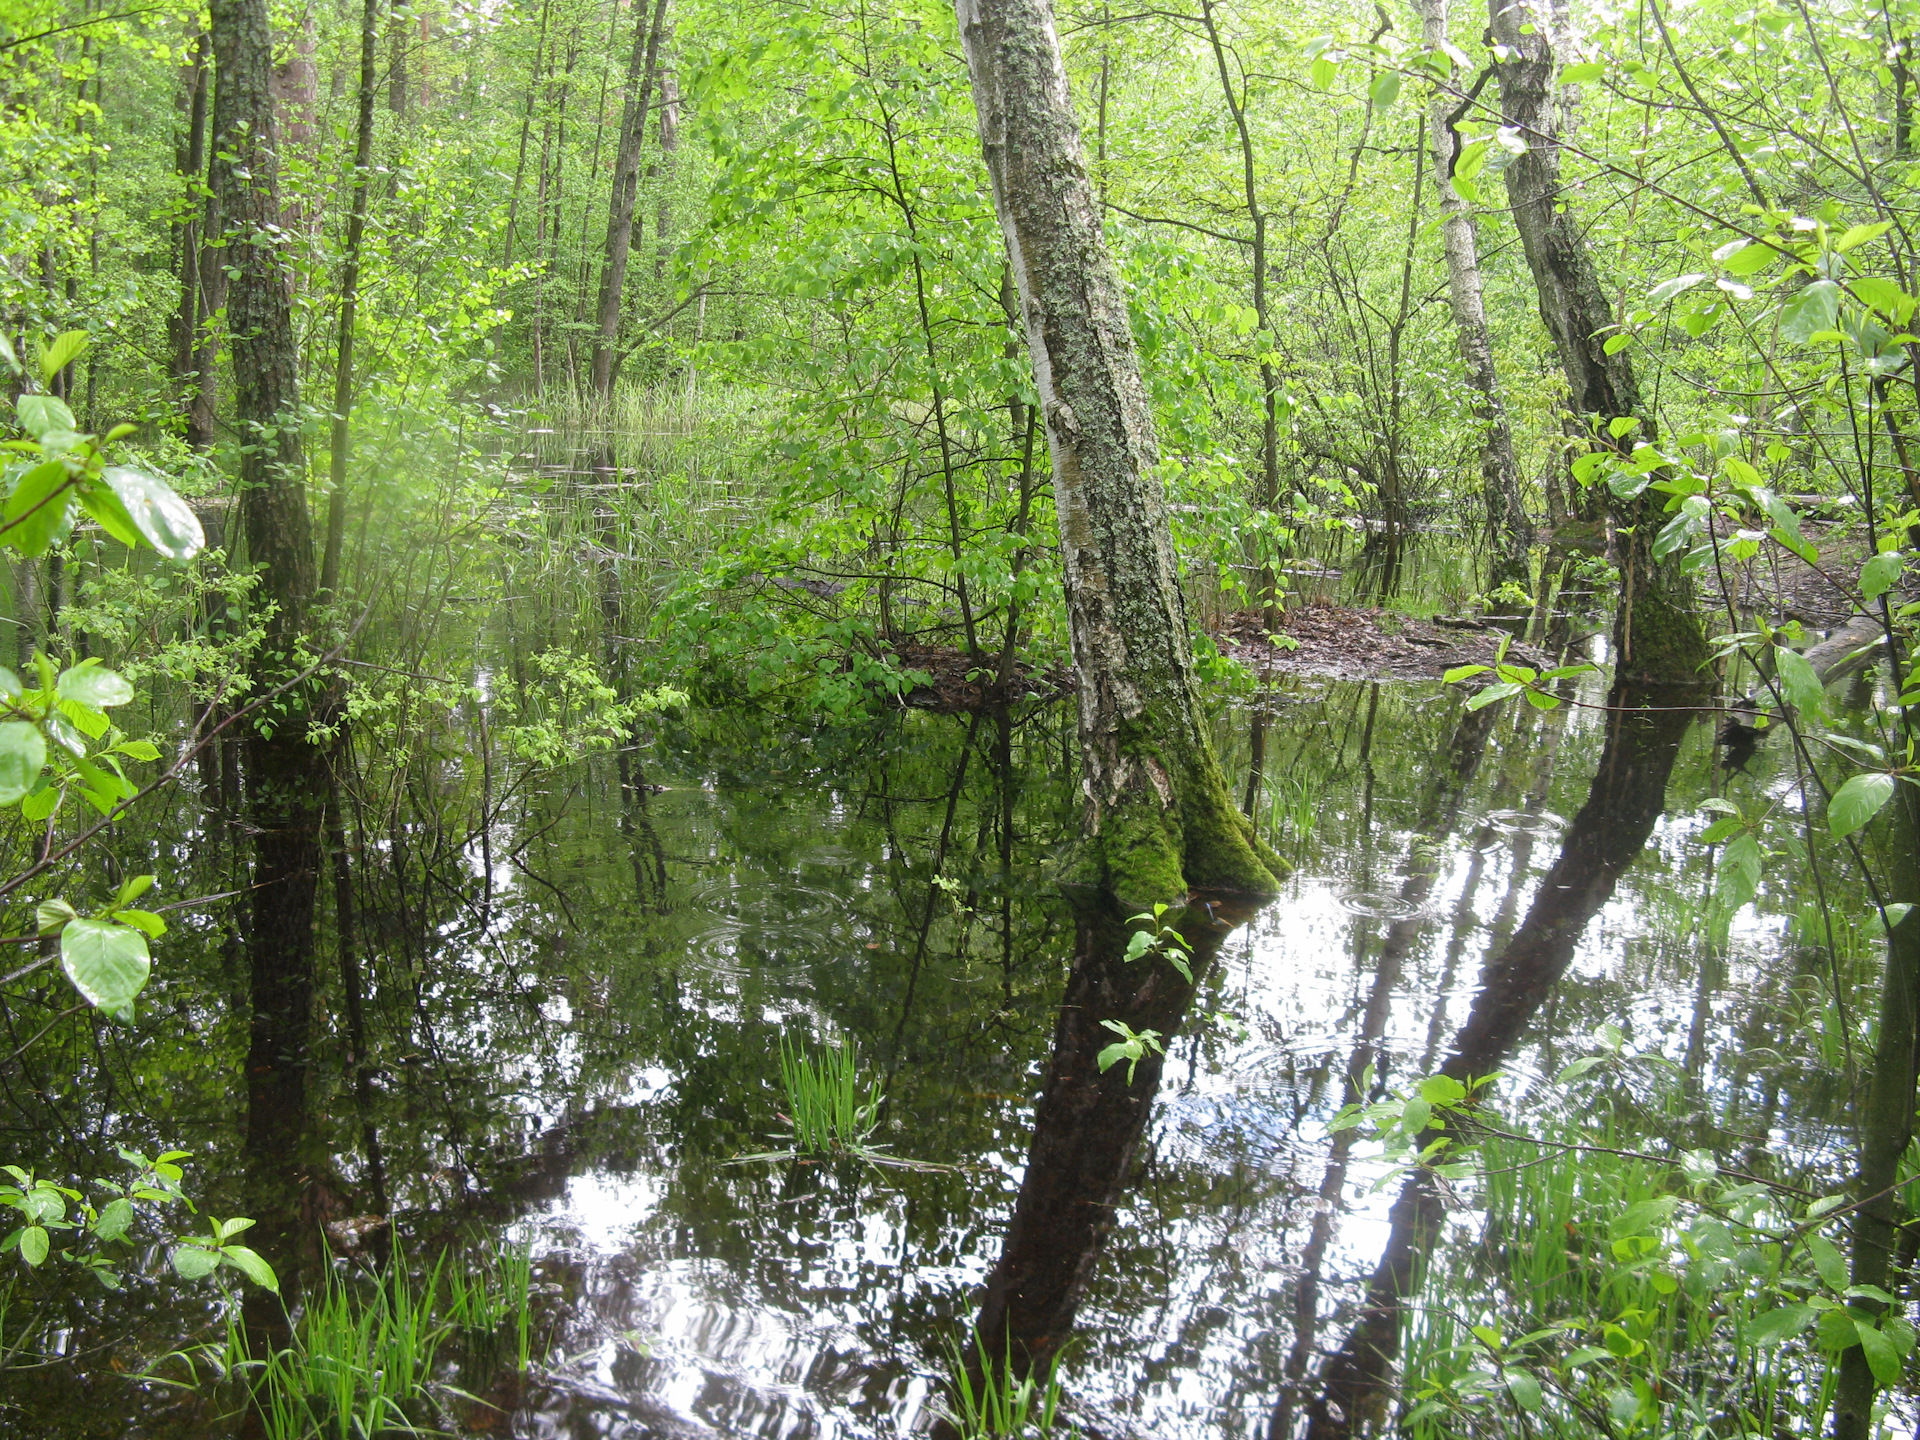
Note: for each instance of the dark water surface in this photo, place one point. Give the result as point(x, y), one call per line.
point(575, 1028)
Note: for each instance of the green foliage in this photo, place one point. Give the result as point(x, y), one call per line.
point(993, 1405)
point(1133, 1046)
point(61, 1222)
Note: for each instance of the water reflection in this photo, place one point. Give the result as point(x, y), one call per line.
point(576, 1042)
point(1644, 729)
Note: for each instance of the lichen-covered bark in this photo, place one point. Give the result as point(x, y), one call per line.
point(1657, 635)
point(1507, 523)
point(1159, 818)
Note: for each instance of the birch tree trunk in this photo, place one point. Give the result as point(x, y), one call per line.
point(626, 187)
point(1507, 525)
point(1159, 820)
point(1657, 633)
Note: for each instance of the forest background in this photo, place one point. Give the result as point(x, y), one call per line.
point(377, 289)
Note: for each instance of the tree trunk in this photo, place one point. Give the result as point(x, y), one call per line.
point(1507, 525)
point(285, 774)
point(342, 440)
point(1159, 819)
point(626, 185)
point(1657, 632)
point(193, 351)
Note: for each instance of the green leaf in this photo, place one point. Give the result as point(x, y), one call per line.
point(1827, 1261)
point(37, 511)
point(1881, 573)
point(34, 1244)
point(1884, 1357)
point(1580, 1067)
point(1813, 310)
point(1778, 1326)
point(1462, 672)
point(1524, 1389)
point(1858, 235)
point(1750, 260)
point(163, 519)
point(1322, 72)
point(139, 749)
point(64, 350)
point(1644, 1216)
point(1581, 74)
point(23, 755)
point(1837, 1331)
point(249, 1263)
point(40, 413)
point(1667, 289)
point(1386, 88)
point(91, 683)
point(108, 964)
point(1883, 295)
point(1799, 680)
point(1492, 693)
point(114, 1218)
point(1858, 801)
point(105, 507)
point(194, 1262)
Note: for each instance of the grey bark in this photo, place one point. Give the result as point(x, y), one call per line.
point(1158, 815)
point(641, 68)
point(1657, 633)
point(1507, 524)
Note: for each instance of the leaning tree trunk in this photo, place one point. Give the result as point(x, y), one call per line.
point(626, 189)
point(1657, 631)
point(1507, 524)
point(285, 774)
point(1159, 819)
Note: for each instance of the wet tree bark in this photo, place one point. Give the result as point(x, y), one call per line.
point(1159, 818)
point(1657, 634)
point(1507, 525)
point(641, 67)
point(285, 774)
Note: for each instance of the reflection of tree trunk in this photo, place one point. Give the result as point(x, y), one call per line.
point(1439, 813)
point(1159, 816)
point(1085, 1129)
point(1657, 635)
point(645, 850)
point(1645, 726)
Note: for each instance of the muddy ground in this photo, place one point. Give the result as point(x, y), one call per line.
point(1344, 643)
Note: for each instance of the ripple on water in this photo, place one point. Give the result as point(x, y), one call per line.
point(1378, 905)
point(1526, 822)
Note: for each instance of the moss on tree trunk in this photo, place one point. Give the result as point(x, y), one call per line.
point(1159, 818)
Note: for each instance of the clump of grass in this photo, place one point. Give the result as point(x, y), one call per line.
point(361, 1361)
point(497, 1293)
point(367, 1355)
point(830, 1105)
point(833, 1108)
point(993, 1405)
